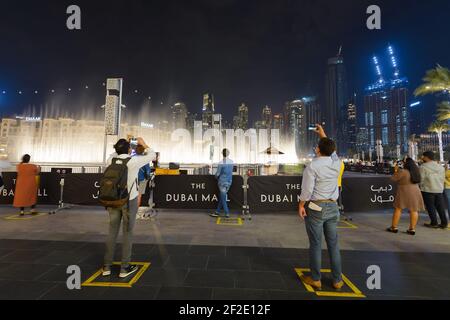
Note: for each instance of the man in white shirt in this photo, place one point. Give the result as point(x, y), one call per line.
point(318, 207)
point(128, 212)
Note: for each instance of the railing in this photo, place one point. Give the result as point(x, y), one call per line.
point(190, 169)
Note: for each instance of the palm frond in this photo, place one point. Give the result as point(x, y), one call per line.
point(443, 111)
point(439, 127)
point(435, 80)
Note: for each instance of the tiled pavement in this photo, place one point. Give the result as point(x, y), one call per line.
point(34, 269)
point(194, 258)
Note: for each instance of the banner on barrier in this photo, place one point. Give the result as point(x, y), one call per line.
point(274, 193)
point(194, 192)
point(82, 188)
point(366, 194)
point(265, 194)
point(278, 193)
point(48, 191)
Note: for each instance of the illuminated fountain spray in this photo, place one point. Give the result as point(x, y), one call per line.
point(54, 138)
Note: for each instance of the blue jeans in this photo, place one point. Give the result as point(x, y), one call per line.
point(223, 188)
point(447, 195)
point(324, 222)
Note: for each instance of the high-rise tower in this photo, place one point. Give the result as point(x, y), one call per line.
point(386, 109)
point(336, 98)
point(208, 111)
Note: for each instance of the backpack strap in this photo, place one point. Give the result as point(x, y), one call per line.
point(124, 160)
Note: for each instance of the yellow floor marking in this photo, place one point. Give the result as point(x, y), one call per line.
point(355, 294)
point(27, 216)
point(91, 281)
point(230, 221)
point(346, 225)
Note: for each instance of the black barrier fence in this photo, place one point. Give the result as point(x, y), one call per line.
point(48, 191)
point(265, 193)
point(274, 194)
point(194, 192)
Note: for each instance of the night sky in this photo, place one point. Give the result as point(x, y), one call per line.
point(252, 51)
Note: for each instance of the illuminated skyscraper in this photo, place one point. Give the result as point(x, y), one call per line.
point(336, 97)
point(217, 121)
point(278, 122)
point(236, 122)
point(242, 122)
point(267, 117)
point(208, 110)
point(386, 109)
point(190, 121)
point(179, 115)
point(299, 115)
point(362, 141)
point(350, 128)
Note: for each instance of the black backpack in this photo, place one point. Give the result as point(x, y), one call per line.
point(113, 192)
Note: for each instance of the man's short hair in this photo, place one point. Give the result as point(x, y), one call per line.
point(326, 147)
point(122, 146)
point(225, 153)
point(429, 155)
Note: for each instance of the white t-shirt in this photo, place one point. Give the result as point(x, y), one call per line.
point(134, 165)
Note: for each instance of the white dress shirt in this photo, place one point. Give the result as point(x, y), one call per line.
point(134, 165)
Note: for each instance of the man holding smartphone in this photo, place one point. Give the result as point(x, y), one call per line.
point(318, 207)
point(125, 215)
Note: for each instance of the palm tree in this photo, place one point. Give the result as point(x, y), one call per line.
point(443, 111)
point(436, 80)
point(439, 127)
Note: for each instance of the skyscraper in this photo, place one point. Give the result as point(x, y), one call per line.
point(217, 121)
point(351, 127)
point(278, 122)
point(299, 115)
point(362, 141)
point(419, 119)
point(267, 117)
point(179, 115)
point(242, 122)
point(190, 121)
point(208, 111)
point(386, 110)
point(236, 122)
point(336, 98)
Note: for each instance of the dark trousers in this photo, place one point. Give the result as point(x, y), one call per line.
point(435, 202)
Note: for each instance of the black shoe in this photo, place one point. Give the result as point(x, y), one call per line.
point(442, 226)
point(128, 271)
point(34, 213)
point(432, 226)
point(214, 215)
point(22, 213)
point(411, 232)
point(392, 229)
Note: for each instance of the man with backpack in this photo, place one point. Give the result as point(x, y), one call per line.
point(119, 192)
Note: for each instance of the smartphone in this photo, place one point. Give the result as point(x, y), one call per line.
point(312, 128)
point(133, 143)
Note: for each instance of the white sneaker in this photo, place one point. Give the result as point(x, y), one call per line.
point(106, 272)
point(128, 271)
